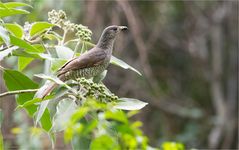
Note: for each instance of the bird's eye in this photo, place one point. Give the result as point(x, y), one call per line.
point(115, 29)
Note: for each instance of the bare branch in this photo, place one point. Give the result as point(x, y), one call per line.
point(18, 92)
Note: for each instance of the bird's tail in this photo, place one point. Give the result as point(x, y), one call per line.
point(45, 89)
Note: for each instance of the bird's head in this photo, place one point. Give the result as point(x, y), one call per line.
point(108, 36)
point(112, 31)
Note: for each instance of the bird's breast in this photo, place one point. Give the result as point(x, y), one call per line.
point(86, 72)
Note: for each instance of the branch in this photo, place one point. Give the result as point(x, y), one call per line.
point(18, 92)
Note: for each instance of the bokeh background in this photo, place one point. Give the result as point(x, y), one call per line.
point(187, 52)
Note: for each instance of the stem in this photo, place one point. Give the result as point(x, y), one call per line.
point(77, 46)
point(63, 38)
point(5, 48)
point(82, 48)
point(18, 92)
point(86, 48)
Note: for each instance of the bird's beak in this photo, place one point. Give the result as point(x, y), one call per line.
point(123, 28)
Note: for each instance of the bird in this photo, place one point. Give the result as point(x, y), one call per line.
point(89, 64)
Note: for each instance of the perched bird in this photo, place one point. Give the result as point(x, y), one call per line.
point(90, 63)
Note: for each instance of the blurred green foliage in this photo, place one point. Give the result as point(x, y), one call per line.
point(172, 146)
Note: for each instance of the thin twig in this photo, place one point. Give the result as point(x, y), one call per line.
point(82, 48)
point(18, 92)
point(77, 46)
point(2, 68)
point(6, 47)
point(63, 38)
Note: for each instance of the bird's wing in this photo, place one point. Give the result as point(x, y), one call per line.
point(91, 58)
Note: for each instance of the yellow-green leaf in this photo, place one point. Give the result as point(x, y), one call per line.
point(16, 4)
point(15, 80)
point(23, 62)
point(11, 12)
point(39, 27)
point(15, 29)
point(130, 104)
point(21, 43)
point(46, 120)
point(122, 64)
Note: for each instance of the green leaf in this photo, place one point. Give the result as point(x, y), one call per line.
point(64, 52)
point(15, 29)
point(89, 126)
point(51, 78)
point(52, 35)
point(40, 48)
point(122, 64)
point(21, 43)
point(34, 101)
point(23, 53)
point(79, 114)
point(117, 115)
point(46, 120)
point(30, 102)
point(79, 142)
point(16, 4)
point(39, 27)
point(11, 12)
point(104, 142)
point(15, 80)
point(65, 109)
point(32, 55)
point(23, 62)
point(130, 104)
point(172, 146)
point(68, 135)
point(57, 63)
point(44, 104)
point(4, 35)
point(2, 5)
point(41, 110)
point(8, 51)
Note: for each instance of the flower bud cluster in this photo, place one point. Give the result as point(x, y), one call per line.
point(97, 90)
point(59, 18)
point(83, 32)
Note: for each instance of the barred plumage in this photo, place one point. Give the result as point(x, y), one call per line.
point(86, 72)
